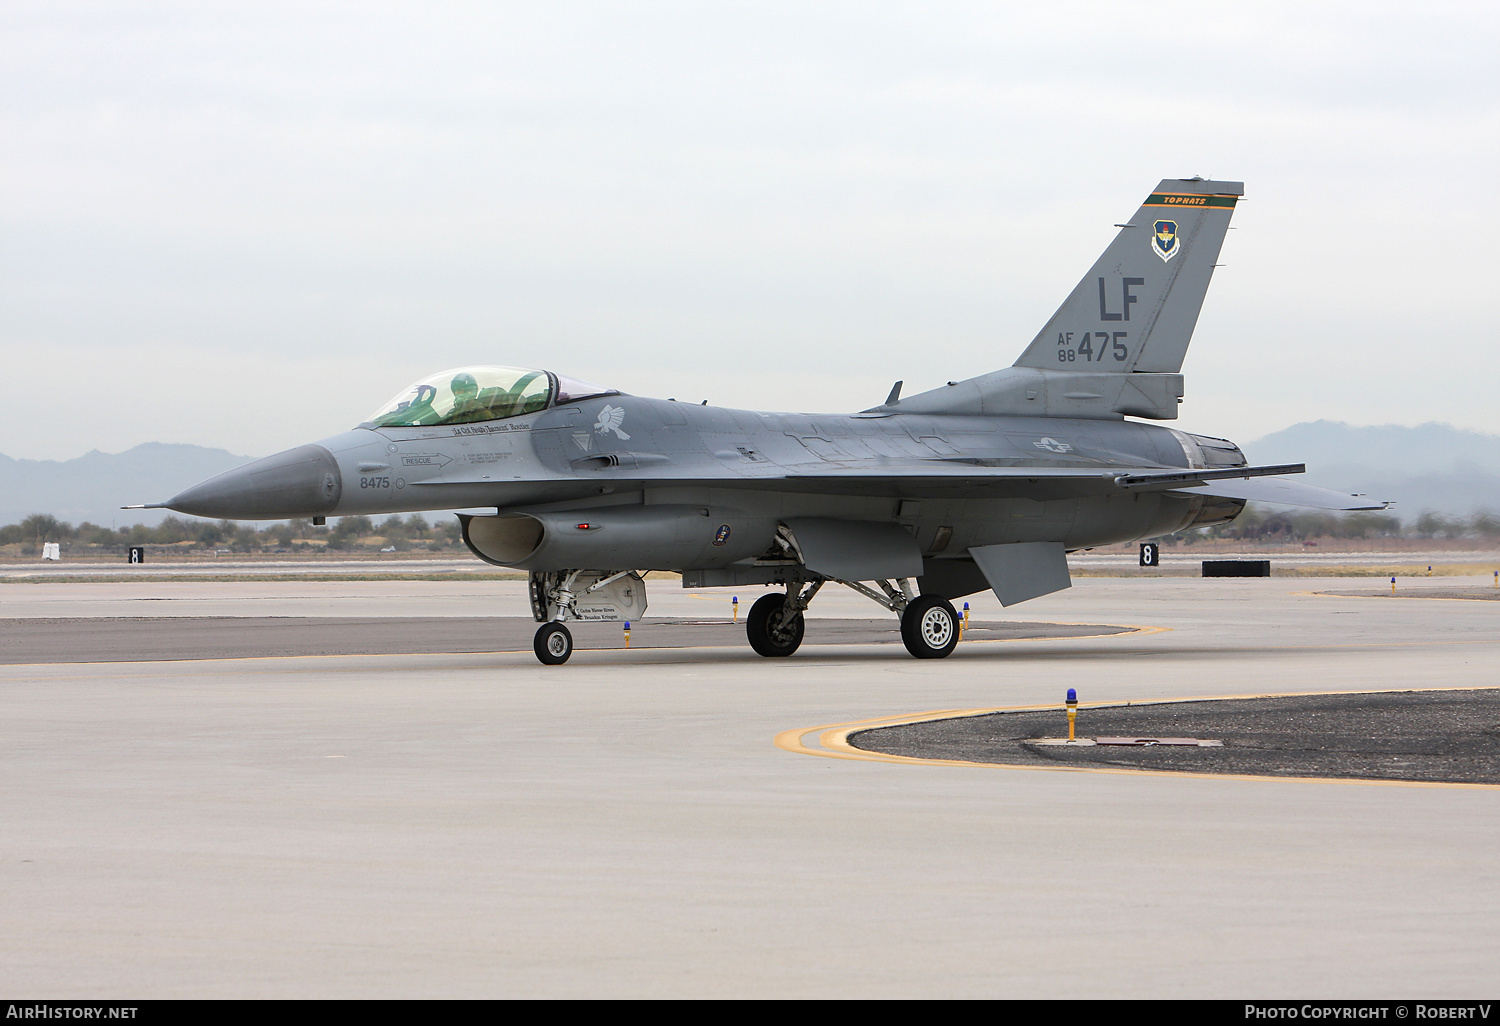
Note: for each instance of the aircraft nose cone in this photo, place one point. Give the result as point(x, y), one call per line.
point(301, 482)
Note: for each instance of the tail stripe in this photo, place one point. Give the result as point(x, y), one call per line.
point(1167, 199)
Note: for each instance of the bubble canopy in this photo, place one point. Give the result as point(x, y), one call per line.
point(468, 395)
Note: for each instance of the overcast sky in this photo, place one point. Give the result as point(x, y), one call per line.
point(248, 225)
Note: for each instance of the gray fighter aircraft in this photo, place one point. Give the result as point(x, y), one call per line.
point(983, 483)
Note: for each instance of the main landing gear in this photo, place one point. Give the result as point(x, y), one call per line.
point(775, 624)
point(929, 627)
point(929, 624)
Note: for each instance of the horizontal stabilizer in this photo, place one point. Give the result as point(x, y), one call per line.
point(1286, 493)
point(1156, 481)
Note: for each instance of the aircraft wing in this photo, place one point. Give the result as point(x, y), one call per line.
point(1250, 483)
point(965, 478)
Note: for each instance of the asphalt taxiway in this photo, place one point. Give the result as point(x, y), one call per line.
point(472, 824)
point(1437, 736)
point(163, 638)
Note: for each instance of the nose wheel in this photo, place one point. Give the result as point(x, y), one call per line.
point(553, 643)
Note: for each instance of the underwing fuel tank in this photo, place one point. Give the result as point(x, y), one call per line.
point(643, 537)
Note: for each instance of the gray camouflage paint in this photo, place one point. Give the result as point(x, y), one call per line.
point(1032, 453)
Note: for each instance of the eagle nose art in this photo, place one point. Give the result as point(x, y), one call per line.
point(300, 482)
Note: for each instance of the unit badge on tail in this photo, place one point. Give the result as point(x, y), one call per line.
point(1164, 243)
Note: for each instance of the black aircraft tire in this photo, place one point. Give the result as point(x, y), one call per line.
point(929, 627)
point(769, 631)
point(553, 644)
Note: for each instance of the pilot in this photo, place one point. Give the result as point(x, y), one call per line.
point(466, 404)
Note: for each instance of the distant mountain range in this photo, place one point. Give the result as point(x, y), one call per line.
point(94, 486)
point(1429, 467)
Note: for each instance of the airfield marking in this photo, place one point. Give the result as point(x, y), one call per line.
point(834, 740)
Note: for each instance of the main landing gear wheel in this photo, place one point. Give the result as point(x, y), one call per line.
point(929, 627)
point(553, 643)
point(771, 630)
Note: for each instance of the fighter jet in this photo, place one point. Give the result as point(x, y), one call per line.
point(983, 483)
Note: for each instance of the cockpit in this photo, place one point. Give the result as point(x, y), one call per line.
point(468, 395)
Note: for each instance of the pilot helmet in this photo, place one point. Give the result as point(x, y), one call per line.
point(464, 385)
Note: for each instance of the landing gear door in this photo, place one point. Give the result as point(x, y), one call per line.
point(624, 598)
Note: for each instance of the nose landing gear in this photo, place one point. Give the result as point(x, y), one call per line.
point(580, 595)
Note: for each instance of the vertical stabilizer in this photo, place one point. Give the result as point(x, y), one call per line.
point(1136, 308)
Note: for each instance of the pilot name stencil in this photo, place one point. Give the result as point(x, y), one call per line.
point(489, 429)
